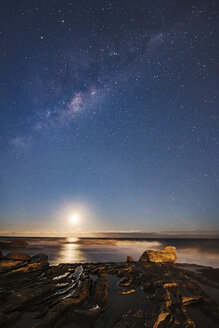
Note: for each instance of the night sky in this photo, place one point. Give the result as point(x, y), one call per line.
point(108, 111)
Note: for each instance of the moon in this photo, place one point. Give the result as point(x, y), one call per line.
point(74, 218)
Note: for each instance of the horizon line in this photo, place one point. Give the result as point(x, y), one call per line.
point(122, 234)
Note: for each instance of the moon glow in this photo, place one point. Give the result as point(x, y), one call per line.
point(74, 219)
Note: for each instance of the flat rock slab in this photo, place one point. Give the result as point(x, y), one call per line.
point(17, 257)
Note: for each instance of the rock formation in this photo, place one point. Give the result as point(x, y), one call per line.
point(17, 257)
point(98, 295)
point(130, 259)
point(19, 262)
point(167, 254)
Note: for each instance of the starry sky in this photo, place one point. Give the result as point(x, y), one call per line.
point(108, 109)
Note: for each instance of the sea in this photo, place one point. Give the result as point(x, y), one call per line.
point(80, 250)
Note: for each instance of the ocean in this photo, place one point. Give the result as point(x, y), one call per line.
point(69, 250)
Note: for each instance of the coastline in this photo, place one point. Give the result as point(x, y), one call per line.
point(67, 250)
point(126, 294)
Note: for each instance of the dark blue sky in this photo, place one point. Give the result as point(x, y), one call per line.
point(109, 111)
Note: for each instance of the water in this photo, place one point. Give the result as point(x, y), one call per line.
point(70, 250)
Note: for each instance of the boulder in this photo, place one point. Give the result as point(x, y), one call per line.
point(129, 259)
point(7, 265)
point(167, 254)
point(17, 257)
point(35, 266)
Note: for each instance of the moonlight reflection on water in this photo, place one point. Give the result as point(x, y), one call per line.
point(102, 250)
point(70, 250)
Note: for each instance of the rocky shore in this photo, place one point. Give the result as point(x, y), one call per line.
point(151, 292)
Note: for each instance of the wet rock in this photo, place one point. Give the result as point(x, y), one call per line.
point(138, 294)
point(167, 254)
point(125, 281)
point(6, 320)
point(124, 271)
point(101, 289)
point(131, 319)
point(7, 265)
point(35, 266)
point(60, 309)
point(187, 300)
point(18, 299)
point(161, 317)
point(90, 312)
point(127, 291)
point(39, 257)
point(57, 270)
point(98, 270)
point(17, 257)
point(170, 284)
point(129, 259)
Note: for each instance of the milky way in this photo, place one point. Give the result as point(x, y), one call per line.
point(112, 104)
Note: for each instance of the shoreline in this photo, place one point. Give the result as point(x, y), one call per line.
point(131, 294)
